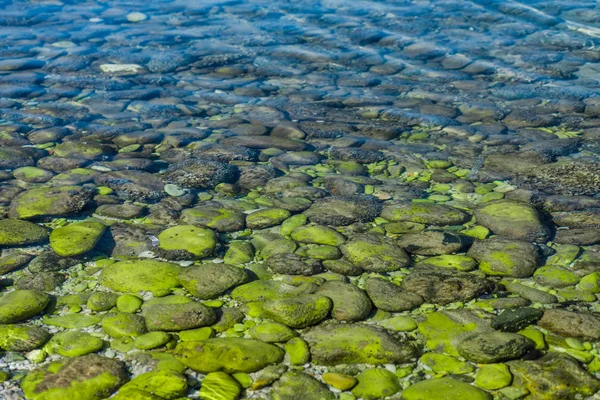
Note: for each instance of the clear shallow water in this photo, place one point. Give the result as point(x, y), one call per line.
point(287, 103)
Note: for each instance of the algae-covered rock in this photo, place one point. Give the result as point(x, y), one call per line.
point(443, 388)
point(178, 317)
point(339, 381)
point(118, 325)
point(493, 376)
point(132, 276)
point(444, 363)
point(450, 261)
point(220, 219)
point(388, 296)
point(20, 305)
point(555, 276)
point(493, 347)
point(375, 253)
point(102, 301)
point(220, 386)
point(444, 330)
point(424, 213)
point(187, 242)
point(269, 290)
point(73, 321)
point(376, 384)
point(499, 257)
point(166, 384)
point(266, 218)
point(333, 344)
point(56, 201)
point(22, 337)
point(318, 234)
point(296, 385)
point(239, 252)
point(513, 220)
point(271, 332)
point(299, 311)
point(73, 344)
point(76, 238)
point(151, 340)
point(208, 281)
point(14, 232)
point(297, 351)
point(553, 376)
point(227, 354)
point(88, 377)
point(350, 303)
point(442, 286)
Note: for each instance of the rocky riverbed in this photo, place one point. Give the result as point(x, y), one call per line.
point(314, 199)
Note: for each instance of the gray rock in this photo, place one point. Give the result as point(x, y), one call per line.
point(500, 257)
point(350, 303)
point(572, 324)
point(493, 347)
point(388, 296)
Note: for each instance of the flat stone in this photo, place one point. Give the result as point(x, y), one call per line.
point(513, 220)
point(76, 238)
point(493, 347)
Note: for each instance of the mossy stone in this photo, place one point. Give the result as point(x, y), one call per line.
point(323, 252)
point(513, 220)
point(399, 323)
point(350, 303)
point(501, 257)
point(187, 241)
point(219, 386)
point(20, 305)
point(298, 351)
point(342, 267)
point(444, 389)
point(424, 213)
point(493, 377)
point(227, 354)
point(208, 281)
point(73, 321)
point(292, 223)
point(32, 174)
point(477, 232)
point(590, 282)
point(239, 252)
point(165, 384)
point(218, 218)
point(132, 276)
point(262, 290)
point(129, 303)
point(203, 333)
point(102, 301)
point(76, 238)
point(292, 383)
point(151, 340)
point(333, 344)
point(454, 261)
point(318, 234)
point(118, 325)
point(300, 311)
point(178, 317)
point(56, 201)
point(443, 330)
point(555, 276)
point(22, 337)
point(375, 253)
point(376, 384)
point(88, 377)
point(14, 232)
point(339, 381)
point(271, 332)
point(132, 393)
point(444, 363)
point(73, 344)
point(266, 218)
